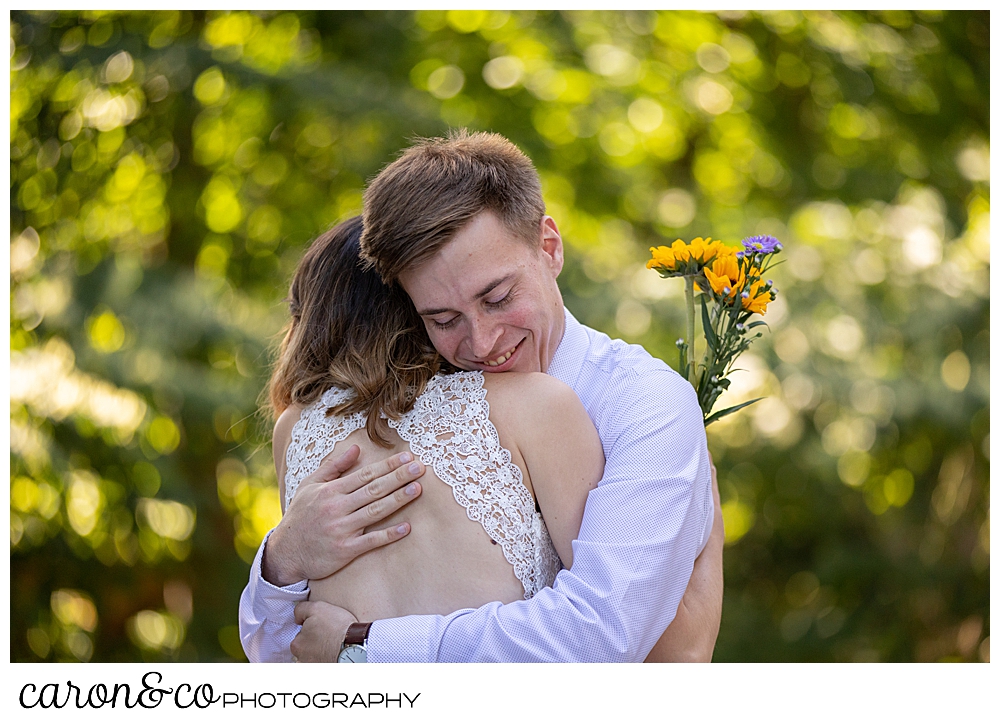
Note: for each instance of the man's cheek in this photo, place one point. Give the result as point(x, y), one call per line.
point(445, 347)
point(520, 317)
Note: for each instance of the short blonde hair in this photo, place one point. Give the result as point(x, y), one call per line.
point(437, 186)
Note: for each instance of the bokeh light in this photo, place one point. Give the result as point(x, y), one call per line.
point(168, 168)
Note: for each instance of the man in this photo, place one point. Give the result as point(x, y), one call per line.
point(459, 223)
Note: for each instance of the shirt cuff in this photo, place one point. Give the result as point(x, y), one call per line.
point(404, 640)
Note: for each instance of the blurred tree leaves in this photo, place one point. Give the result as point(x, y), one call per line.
point(169, 167)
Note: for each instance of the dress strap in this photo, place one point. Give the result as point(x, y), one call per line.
point(449, 429)
point(314, 435)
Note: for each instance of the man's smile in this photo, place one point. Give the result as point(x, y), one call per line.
point(501, 293)
point(500, 360)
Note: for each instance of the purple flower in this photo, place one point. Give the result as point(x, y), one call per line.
point(762, 244)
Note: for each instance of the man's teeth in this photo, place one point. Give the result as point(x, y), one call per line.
point(500, 360)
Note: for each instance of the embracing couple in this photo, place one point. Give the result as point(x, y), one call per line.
point(467, 472)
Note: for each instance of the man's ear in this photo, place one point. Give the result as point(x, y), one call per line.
point(552, 246)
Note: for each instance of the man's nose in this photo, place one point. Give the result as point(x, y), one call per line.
point(483, 338)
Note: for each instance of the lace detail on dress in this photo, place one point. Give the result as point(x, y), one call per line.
point(314, 435)
point(449, 429)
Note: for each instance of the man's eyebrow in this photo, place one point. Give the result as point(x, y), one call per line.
point(486, 290)
point(492, 285)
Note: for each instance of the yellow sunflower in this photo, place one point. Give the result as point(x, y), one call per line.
point(680, 255)
point(724, 275)
point(757, 298)
point(663, 257)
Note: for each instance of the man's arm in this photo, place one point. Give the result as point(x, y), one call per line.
point(642, 529)
point(692, 634)
point(321, 531)
point(267, 615)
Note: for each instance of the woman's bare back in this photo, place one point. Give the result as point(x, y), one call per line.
point(449, 561)
point(446, 563)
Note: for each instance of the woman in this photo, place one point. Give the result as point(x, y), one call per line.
point(356, 368)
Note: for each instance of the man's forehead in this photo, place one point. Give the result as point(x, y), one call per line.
point(472, 264)
point(435, 294)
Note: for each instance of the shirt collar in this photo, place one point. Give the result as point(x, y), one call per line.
point(571, 352)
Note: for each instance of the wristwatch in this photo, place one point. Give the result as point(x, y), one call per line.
point(353, 649)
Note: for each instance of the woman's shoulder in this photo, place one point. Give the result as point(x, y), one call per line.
point(505, 386)
point(280, 440)
point(531, 399)
point(527, 388)
point(286, 421)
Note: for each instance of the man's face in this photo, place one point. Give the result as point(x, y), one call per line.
point(489, 299)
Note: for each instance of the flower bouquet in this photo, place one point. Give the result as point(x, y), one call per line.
point(733, 290)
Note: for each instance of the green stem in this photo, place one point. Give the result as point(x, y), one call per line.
point(689, 297)
point(709, 357)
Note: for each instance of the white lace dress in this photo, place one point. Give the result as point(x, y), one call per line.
point(450, 431)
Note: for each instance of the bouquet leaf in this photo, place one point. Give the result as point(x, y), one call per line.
point(729, 410)
point(706, 324)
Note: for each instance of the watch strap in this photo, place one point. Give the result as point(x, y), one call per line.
point(357, 634)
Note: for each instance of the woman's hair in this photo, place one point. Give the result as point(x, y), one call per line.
point(350, 330)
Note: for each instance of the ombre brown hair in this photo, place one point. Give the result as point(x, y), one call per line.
point(417, 203)
point(350, 330)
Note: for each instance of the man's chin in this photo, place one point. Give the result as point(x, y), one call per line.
point(522, 366)
point(486, 369)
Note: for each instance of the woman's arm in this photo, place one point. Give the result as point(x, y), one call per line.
point(279, 445)
point(562, 452)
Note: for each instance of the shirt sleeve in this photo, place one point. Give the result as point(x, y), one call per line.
point(642, 529)
point(267, 615)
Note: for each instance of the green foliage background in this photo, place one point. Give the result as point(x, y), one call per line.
point(168, 169)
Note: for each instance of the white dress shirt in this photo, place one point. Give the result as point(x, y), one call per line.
point(643, 526)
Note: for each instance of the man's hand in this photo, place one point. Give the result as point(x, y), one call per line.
point(323, 629)
point(691, 636)
point(323, 528)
